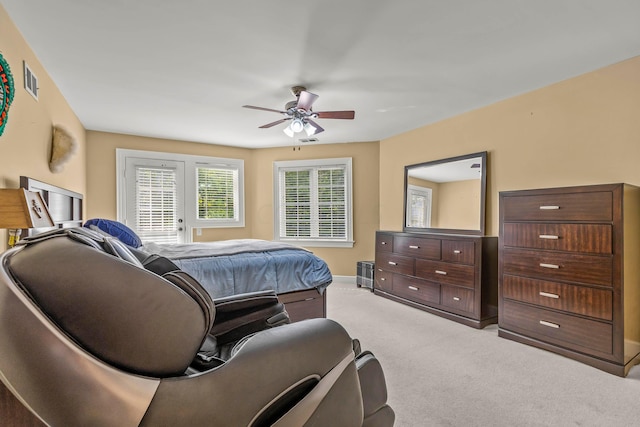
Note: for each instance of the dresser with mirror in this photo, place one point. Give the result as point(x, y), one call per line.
point(442, 262)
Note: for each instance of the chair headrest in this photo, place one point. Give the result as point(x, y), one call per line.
point(121, 313)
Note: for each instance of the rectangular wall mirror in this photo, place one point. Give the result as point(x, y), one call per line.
point(447, 195)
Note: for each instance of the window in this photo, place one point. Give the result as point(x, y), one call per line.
point(163, 196)
point(418, 206)
point(217, 193)
point(313, 202)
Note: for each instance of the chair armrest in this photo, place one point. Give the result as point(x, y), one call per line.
point(240, 315)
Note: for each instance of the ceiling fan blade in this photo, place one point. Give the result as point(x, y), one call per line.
point(277, 122)
point(264, 109)
point(305, 100)
point(335, 114)
point(317, 126)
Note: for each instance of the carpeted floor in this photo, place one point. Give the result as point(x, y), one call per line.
point(441, 373)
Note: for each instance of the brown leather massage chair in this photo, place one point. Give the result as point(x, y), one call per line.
point(90, 337)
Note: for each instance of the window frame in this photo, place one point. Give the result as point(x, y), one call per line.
point(344, 162)
point(191, 163)
point(424, 191)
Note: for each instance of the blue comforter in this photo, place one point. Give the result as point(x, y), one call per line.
point(248, 265)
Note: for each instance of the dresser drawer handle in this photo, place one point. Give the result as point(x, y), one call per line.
point(548, 295)
point(383, 243)
point(543, 265)
point(456, 298)
point(549, 324)
point(457, 252)
point(382, 279)
point(413, 288)
point(392, 263)
point(549, 208)
point(444, 273)
point(414, 247)
point(549, 236)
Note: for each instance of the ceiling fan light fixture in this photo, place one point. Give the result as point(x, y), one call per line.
point(310, 129)
point(288, 131)
point(297, 125)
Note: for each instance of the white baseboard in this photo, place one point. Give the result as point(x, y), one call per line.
point(345, 278)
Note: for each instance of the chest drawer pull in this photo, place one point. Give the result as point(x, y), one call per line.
point(413, 288)
point(444, 273)
point(392, 263)
point(543, 265)
point(549, 208)
point(414, 247)
point(383, 243)
point(549, 324)
point(549, 236)
point(456, 298)
point(382, 278)
point(548, 295)
point(457, 252)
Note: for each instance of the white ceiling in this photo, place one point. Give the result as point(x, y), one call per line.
point(183, 69)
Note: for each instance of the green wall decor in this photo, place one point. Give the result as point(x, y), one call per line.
point(6, 94)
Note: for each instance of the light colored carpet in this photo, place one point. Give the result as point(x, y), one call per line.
point(441, 373)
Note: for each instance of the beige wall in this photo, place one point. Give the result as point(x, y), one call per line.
point(101, 187)
point(454, 204)
point(584, 130)
point(25, 145)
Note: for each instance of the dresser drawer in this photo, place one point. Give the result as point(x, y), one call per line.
point(588, 269)
point(418, 247)
point(416, 290)
point(584, 206)
point(384, 242)
point(571, 298)
point(447, 273)
point(383, 280)
point(561, 329)
point(587, 238)
point(460, 299)
point(394, 263)
point(458, 251)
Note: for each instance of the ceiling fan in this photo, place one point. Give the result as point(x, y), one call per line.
point(301, 115)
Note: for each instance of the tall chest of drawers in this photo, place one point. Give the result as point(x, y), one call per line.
point(454, 276)
point(569, 271)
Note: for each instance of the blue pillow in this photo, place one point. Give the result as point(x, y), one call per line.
point(117, 230)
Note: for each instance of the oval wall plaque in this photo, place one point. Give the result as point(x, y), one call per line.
point(6, 94)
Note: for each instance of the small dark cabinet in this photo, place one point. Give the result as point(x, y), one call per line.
point(364, 276)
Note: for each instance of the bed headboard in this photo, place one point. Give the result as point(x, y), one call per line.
point(65, 206)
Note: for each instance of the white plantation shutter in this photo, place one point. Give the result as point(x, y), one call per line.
point(313, 201)
point(217, 193)
point(295, 206)
point(331, 203)
point(156, 204)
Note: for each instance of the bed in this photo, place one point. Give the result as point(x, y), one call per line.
point(224, 268)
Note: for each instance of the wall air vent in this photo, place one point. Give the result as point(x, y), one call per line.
point(30, 81)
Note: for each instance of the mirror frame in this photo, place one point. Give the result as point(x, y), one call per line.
point(483, 196)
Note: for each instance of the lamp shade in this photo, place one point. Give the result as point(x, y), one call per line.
point(20, 208)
